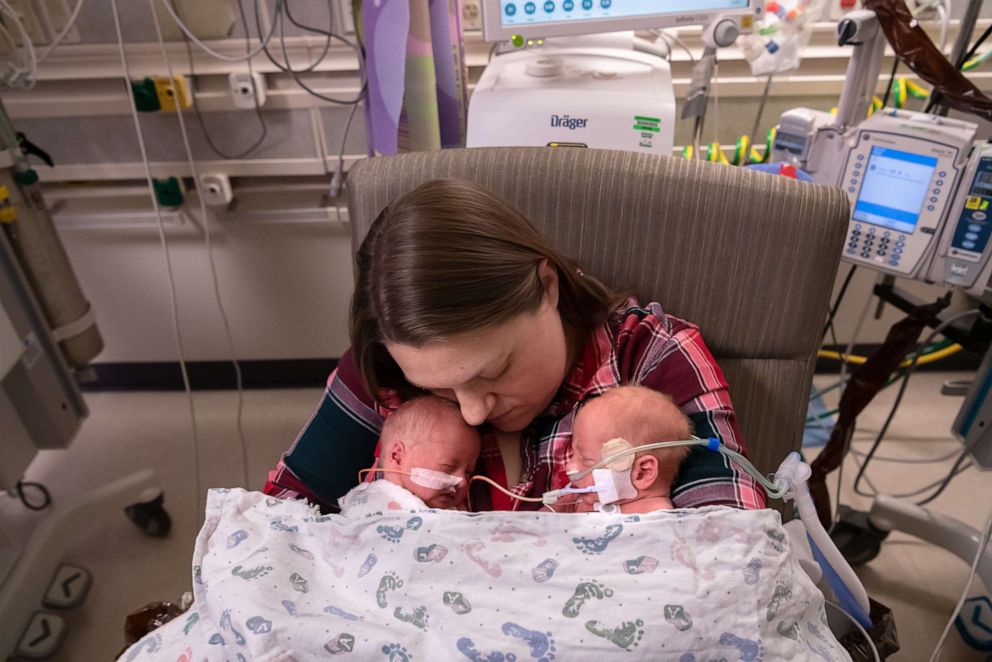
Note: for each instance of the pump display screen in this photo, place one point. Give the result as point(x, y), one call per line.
point(544, 12)
point(896, 185)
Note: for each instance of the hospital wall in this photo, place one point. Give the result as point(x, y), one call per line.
point(282, 252)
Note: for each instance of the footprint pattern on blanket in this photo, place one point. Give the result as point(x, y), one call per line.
point(776, 540)
point(750, 650)
point(305, 553)
point(779, 596)
point(466, 647)
point(216, 639)
point(457, 602)
point(473, 549)
point(149, 644)
point(396, 653)
point(258, 625)
point(186, 655)
point(367, 564)
point(249, 574)
point(190, 622)
point(343, 643)
point(236, 538)
point(679, 617)
point(299, 583)
point(414, 523)
point(686, 555)
point(710, 531)
point(335, 611)
point(627, 635)
point(752, 571)
point(430, 553)
point(508, 532)
point(291, 609)
point(598, 545)
point(390, 533)
point(389, 582)
point(418, 616)
point(789, 630)
point(584, 592)
point(820, 648)
point(640, 565)
point(544, 570)
point(542, 644)
point(278, 525)
point(226, 624)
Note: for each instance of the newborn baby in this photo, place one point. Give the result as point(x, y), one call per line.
point(640, 416)
point(426, 454)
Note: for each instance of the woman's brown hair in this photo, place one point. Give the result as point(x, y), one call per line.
point(450, 257)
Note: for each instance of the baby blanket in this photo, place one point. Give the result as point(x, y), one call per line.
point(275, 580)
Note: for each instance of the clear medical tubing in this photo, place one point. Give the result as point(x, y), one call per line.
point(792, 475)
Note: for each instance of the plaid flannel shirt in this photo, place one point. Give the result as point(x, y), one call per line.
point(638, 345)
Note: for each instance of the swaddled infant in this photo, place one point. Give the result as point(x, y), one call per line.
point(426, 454)
point(640, 416)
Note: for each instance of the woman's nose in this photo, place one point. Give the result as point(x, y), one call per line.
point(475, 405)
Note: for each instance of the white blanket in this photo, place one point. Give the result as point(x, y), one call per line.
point(274, 580)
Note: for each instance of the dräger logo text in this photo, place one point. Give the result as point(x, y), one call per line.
point(570, 123)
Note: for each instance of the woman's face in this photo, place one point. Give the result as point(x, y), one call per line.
point(505, 374)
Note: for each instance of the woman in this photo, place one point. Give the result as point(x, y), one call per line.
point(457, 294)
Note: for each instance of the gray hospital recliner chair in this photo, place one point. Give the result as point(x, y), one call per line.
point(748, 257)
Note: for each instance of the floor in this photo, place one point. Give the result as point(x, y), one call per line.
point(130, 431)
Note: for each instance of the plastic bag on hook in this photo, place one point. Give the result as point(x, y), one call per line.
point(781, 34)
point(920, 54)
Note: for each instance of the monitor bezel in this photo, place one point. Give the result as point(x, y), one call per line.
point(493, 29)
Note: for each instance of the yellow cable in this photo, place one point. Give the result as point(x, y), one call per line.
point(925, 359)
point(506, 491)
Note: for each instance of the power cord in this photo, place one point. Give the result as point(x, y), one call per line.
point(61, 35)
point(979, 555)
point(165, 252)
point(210, 254)
point(196, 106)
point(220, 56)
point(895, 407)
point(20, 492)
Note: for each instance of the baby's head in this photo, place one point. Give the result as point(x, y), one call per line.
point(429, 433)
point(641, 416)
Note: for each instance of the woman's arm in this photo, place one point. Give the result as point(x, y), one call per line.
point(338, 440)
point(675, 360)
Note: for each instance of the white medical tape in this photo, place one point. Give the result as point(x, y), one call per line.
point(434, 480)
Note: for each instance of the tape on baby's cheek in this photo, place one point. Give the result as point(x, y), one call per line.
point(434, 480)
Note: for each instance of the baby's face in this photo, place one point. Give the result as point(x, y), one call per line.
point(450, 448)
point(589, 434)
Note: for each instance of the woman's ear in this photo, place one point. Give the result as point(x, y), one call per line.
point(644, 473)
point(549, 281)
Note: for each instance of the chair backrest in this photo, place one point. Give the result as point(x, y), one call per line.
point(748, 257)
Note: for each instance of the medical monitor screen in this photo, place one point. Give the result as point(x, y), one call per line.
point(895, 187)
point(555, 12)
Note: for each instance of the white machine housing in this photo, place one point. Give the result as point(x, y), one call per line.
point(583, 97)
point(963, 256)
point(901, 172)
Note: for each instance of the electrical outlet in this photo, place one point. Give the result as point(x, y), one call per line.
point(215, 189)
point(242, 86)
point(171, 92)
point(28, 17)
point(55, 15)
point(471, 15)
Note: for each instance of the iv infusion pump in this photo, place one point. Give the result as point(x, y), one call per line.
point(920, 191)
point(900, 173)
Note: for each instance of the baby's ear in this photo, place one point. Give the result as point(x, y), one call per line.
point(396, 452)
point(644, 473)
